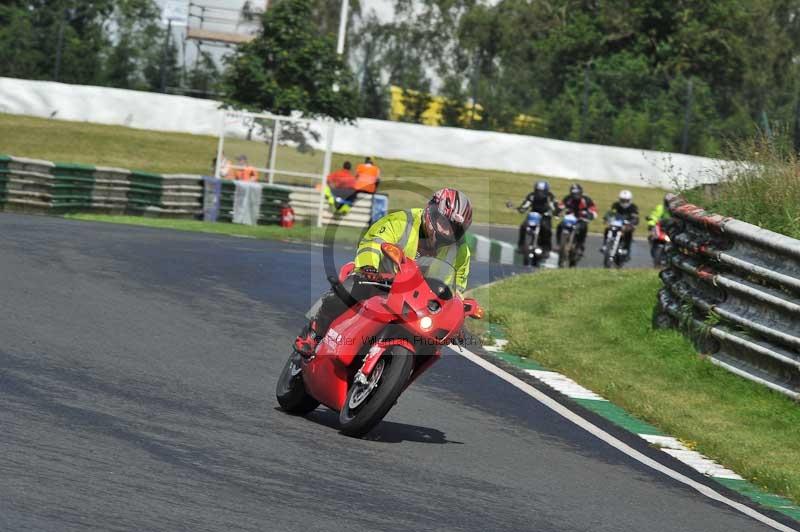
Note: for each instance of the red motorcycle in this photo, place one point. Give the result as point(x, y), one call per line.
point(659, 240)
point(379, 346)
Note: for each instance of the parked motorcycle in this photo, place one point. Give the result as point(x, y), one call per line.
point(616, 254)
point(379, 346)
point(659, 240)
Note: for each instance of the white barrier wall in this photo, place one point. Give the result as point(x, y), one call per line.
point(377, 138)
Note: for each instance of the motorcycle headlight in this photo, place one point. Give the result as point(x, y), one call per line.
point(426, 323)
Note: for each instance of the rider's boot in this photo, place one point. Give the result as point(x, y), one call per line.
point(308, 340)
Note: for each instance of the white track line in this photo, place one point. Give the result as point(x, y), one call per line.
point(618, 444)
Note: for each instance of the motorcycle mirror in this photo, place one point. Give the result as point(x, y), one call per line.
point(393, 252)
point(472, 309)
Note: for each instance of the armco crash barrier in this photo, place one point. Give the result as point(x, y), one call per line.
point(31, 185)
point(734, 288)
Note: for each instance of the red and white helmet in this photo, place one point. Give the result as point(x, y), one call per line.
point(447, 216)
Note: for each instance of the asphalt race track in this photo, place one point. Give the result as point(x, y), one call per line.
point(137, 369)
point(592, 258)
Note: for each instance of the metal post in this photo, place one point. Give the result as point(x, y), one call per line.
point(342, 27)
point(219, 144)
point(164, 57)
point(797, 127)
point(687, 117)
point(273, 149)
point(585, 104)
point(326, 165)
point(326, 169)
point(765, 121)
point(475, 78)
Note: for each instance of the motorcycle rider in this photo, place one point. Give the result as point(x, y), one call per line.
point(626, 209)
point(659, 214)
point(543, 201)
point(582, 206)
point(437, 230)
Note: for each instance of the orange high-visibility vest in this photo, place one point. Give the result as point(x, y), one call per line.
point(248, 173)
point(367, 176)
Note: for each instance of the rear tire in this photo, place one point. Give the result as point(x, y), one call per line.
point(357, 422)
point(291, 390)
point(658, 256)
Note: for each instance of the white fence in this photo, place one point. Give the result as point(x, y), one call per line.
point(440, 145)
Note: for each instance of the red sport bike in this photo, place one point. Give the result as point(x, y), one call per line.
point(379, 346)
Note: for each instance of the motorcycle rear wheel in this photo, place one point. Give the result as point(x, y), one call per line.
point(360, 414)
point(659, 259)
point(291, 390)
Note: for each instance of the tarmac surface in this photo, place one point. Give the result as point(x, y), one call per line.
point(137, 375)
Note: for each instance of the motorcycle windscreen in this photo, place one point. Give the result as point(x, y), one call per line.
point(534, 218)
point(439, 274)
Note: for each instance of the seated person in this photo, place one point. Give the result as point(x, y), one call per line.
point(368, 176)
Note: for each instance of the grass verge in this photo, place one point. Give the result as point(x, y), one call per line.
point(161, 152)
point(305, 233)
point(594, 327)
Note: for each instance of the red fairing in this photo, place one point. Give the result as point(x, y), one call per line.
point(357, 339)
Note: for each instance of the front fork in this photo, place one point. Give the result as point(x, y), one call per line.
point(375, 353)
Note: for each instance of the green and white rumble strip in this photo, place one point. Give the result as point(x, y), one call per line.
point(668, 444)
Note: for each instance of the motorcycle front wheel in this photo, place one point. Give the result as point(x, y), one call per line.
point(565, 252)
point(367, 403)
point(290, 389)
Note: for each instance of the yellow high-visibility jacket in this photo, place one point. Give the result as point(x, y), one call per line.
point(402, 228)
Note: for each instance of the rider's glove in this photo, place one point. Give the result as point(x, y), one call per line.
point(369, 273)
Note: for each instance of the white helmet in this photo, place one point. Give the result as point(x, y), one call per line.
point(625, 198)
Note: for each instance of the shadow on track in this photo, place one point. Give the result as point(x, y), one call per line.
point(386, 431)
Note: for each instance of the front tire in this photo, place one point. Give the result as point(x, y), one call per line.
point(291, 390)
point(360, 414)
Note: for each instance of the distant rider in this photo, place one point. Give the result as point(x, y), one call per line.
point(583, 208)
point(540, 200)
point(659, 214)
point(626, 209)
point(437, 230)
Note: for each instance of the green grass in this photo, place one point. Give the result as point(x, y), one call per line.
point(762, 189)
point(594, 326)
point(161, 152)
point(306, 233)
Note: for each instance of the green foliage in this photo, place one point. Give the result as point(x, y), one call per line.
point(289, 67)
point(530, 58)
point(761, 187)
point(103, 42)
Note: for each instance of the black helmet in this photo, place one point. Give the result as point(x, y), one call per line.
point(576, 191)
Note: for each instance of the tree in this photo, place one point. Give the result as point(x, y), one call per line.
point(136, 40)
point(290, 67)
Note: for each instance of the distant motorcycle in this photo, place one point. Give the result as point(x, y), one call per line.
point(659, 240)
point(616, 255)
point(568, 254)
point(532, 253)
